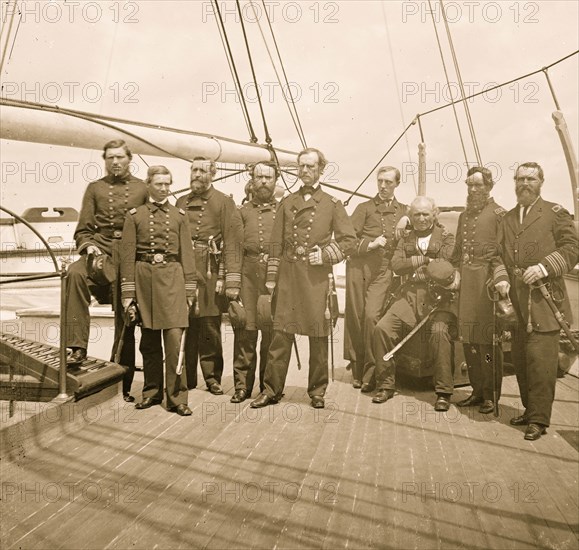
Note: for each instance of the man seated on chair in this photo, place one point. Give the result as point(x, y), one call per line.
point(421, 257)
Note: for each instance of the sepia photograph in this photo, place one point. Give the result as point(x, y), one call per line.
point(289, 274)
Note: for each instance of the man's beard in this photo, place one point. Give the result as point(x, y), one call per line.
point(475, 202)
point(263, 194)
point(200, 187)
point(525, 194)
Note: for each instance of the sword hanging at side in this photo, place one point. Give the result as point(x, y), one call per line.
point(558, 315)
point(330, 313)
point(181, 359)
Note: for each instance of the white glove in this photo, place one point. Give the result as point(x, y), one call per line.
point(270, 287)
point(503, 288)
point(92, 249)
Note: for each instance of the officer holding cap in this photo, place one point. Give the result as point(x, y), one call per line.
point(158, 273)
point(477, 255)
point(99, 230)
point(257, 216)
point(421, 257)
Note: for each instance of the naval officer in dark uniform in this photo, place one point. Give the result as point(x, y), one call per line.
point(257, 216)
point(540, 245)
point(303, 253)
point(216, 232)
point(100, 224)
point(158, 273)
point(477, 256)
point(368, 275)
point(417, 259)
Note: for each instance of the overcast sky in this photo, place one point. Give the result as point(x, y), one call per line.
point(360, 70)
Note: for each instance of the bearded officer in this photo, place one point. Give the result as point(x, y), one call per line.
point(477, 255)
point(540, 245)
point(99, 230)
point(303, 253)
point(418, 255)
point(257, 216)
point(368, 272)
point(215, 227)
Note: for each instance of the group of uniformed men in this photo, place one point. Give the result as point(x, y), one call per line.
point(176, 266)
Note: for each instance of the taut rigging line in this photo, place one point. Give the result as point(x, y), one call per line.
point(233, 68)
point(420, 115)
point(460, 83)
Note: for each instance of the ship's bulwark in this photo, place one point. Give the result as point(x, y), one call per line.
point(353, 475)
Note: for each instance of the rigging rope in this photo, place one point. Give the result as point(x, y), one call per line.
point(268, 139)
point(237, 90)
point(300, 130)
point(252, 136)
point(265, 129)
point(347, 201)
point(522, 77)
point(448, 82)
point(500, 85)
point(460, 83)
point(5, 48)
point(390, 50)
point(296, 123)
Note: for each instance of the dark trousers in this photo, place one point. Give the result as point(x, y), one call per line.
point(353, 316)
point(376, 298)
point(245, 358)
point(278, 362)
point(391, 329)
point(535, 358)
point(479, 358)
point(78, 300)
point(203, 344)
point(152, 351)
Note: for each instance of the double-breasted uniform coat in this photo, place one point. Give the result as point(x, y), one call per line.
point(257, 219)
point(414, 303)
point(548, 237)
point(215, 225)
point(301, 288)
point(158, 272)
point(477, 256)
point(368, 280)
point(104, 206)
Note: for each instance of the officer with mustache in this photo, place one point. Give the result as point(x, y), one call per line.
point(540, 245)
point(258, 216)
point(216, 233)
point(477, 256)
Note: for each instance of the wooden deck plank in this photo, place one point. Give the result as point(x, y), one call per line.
point(394, 468)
